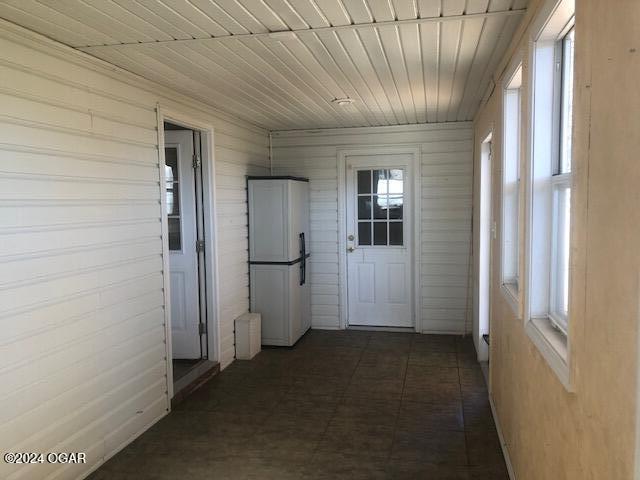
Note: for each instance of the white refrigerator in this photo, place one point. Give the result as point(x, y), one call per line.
point(279, 256)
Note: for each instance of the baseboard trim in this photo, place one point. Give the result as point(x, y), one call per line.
point(503, 444)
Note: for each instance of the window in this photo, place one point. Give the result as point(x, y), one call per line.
point(561, 193)
point(547, 312)
point(172, 183)
point(511, 185)
point(380, 207)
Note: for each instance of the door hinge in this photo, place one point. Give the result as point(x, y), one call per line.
point(196, 161)
point(200, 246)
point(202, 328)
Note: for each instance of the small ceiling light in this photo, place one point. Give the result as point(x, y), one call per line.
point(343, 102)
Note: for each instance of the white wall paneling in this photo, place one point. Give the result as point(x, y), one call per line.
point(82, 327)
point(403, 62)
point(445, 225)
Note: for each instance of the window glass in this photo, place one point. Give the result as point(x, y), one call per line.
point(567, 102)
point(380, 233)
point(364, 233)
point(380, 203)
point(395, 233)
point(172, 184)
point(364, 207)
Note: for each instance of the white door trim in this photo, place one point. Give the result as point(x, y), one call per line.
point(416, 223)
point(210, 230)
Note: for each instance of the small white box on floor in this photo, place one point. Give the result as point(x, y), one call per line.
point(248, 336)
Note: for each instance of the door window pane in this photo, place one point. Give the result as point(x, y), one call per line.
point(175, 241)
point(172, 186)
point(396, 181)
point(364, 233)
point(395, 233)
point(364, 208)
point(380, 233)
point(380, 197)
point(395, 207)
point(380, 183)
point(380, 207)
point(364, 181)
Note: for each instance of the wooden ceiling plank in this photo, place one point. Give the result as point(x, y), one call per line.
point(44, 25)
point(309, 79)
point(486, 43)
point(264, 14)
point(195, 16)
point(161, 74)
point(310, 13)
point(207, 72)
point(226, 21)
point(241, 15)
point(471, 31)
point(172, 16)
point(429, 8)
point(114, 10)
point(430, 41)
point(97, 20)
point(153, 18)
point(335, 12)
point(263, 58)
point(258, 79)
point(450, 46)
point(381, 10)
point(358, 53)
point(292, 19)
point(377, 57)
point(395, 53)
point(324, 57)
point(412, 48)
point(358, 10)
point(405, 9)
point(335, 47)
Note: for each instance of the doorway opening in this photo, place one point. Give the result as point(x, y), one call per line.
point(191, 354)
point(487, 232)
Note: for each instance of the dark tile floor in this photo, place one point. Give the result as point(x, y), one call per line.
point(338, 405)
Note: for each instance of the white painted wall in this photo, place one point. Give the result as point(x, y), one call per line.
point(446, 164)
point(82, 353)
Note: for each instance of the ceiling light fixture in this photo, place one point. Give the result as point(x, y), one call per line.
point(343, 102)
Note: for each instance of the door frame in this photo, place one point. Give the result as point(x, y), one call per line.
point(486, 228)
point(210, 230)
point(416, 223)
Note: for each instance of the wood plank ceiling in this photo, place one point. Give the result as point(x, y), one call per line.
point(400, 61)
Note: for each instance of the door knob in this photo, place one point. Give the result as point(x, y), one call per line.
point(350, 249)
point(351, 238)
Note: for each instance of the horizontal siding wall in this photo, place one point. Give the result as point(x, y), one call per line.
point(82, 334)
point(446, 189)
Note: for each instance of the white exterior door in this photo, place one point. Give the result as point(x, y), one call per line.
point(379, 240)
point(183, 259)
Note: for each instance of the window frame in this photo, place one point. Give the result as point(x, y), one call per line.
point(555, 19)
point(511, 286)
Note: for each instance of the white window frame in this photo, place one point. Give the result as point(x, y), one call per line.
point(512, 132)
point(543, 323)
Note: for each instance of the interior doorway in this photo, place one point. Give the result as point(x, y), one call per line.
point(187, 266)
point(487, 232)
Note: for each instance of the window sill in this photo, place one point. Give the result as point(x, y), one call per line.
point(510, 292)
point(553, 347)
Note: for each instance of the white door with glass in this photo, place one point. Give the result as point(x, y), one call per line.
point(183, 259)
point(379, 240)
